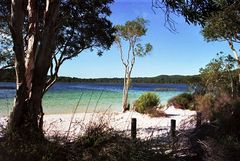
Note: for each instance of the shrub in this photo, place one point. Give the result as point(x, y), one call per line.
point(205, 104)
point(146, 101)
point(183, 101)
point(227, 117)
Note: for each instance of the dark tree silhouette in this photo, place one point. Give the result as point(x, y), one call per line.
point(44, 34)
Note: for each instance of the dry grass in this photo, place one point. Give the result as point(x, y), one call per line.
point(155, 112)
point(204, 104)
point(97, 143)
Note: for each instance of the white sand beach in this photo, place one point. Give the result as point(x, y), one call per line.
point(146, 126)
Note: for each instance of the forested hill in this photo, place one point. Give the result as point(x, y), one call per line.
point(9, 76)
point(162, 79)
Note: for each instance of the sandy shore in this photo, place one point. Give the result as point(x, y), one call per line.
point(73, 125)
point(146, 126)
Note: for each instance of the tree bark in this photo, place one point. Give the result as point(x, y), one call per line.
point(32, 41)
point(16, 27)
point(31, 71)
point(42, 64)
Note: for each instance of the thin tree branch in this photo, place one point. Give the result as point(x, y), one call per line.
point(74, 54)
point(169, 23)
point(50, 83)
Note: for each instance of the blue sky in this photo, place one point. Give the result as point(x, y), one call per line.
point(181, 53)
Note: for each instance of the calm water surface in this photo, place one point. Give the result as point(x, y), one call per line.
point(64, 97)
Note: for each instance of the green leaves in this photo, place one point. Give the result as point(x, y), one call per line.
point(224, 24)
point(84, 25)
point(143, 50)
point(132, 29)
point(131, 32)
point(146, 101)
point(81, 24)
point(219, 74)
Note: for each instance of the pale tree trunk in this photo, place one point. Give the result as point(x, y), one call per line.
point(31, 73)
point(125, 92)
point(127, 77)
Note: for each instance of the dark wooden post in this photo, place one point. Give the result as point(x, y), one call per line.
point(199, 119)
point(134, 128)
point(173, 128)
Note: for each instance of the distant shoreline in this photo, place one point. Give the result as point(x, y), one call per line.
point(7, 87)
point(8, 75)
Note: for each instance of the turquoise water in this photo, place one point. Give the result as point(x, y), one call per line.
point(65, 97)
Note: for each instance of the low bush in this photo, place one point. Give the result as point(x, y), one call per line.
point(219, 140)
point(15, 148)
point(227, 117)
point(146, 102)
point(221, 110)
point(205, 104)
point(183, 101)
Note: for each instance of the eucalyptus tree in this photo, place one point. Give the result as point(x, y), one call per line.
point(45, 34)
point(224, 25)
point(127, 38)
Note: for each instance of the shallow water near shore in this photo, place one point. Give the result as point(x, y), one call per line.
point(88, 97)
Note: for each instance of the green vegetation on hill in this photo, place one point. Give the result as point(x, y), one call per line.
point(162, 79)
point(8, 75)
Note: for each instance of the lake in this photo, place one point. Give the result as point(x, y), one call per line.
point(88, 97)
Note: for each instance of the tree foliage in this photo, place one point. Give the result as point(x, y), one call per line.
point(80, 25)
point(223, 25)
point(183, 101)
point(220, 75)
point(194, 11)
